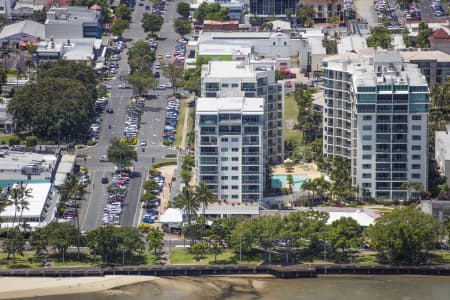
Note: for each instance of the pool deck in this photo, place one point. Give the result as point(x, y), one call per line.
point(309, 170)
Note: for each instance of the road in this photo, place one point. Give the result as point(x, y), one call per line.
point(151, 129)
point(366, 10)
point(427, 12)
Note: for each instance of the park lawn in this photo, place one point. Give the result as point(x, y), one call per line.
point(28, 260)
point(182, 256)
point(184, 104)
point(291, 113)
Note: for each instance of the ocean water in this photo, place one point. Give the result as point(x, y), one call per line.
point(237, 288)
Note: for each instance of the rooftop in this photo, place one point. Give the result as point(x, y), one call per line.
point(422, 55)
point(230, 104)
point(439, 35)
point(38, 196)
point(24, 27)
point(13, 161)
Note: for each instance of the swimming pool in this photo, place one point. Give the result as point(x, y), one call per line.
point(4, 183)
point(280, 181)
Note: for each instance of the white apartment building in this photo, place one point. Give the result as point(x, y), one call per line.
point(376, 113)
point(230, 153)
point(250, 80)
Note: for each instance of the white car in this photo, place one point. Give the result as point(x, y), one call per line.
point(168, 55)
point(143, 143)
point(103, 158)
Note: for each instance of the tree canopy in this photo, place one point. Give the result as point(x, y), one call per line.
point(182, 27)
point(211, 11)
point(60, 104)
point(174, 72)
point(121, 153)
point(141, 81)
point(152, 22)
point(379, 37)
point(184, 9)
point(140, 56)
point(405, 235)
point(123, 12)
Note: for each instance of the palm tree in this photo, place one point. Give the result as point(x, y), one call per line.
point(19, 193)
point(412, 186)
point(205, 196)
point(307, 186)
point(188, 203)
point(73, 189)
point(323, 185)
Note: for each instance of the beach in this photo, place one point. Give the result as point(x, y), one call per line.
point(21, 287)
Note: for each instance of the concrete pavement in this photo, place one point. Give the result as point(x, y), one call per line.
point(151, 130)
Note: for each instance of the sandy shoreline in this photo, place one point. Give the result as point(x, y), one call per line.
point(20, 287)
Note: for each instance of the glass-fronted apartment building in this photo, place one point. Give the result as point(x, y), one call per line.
point(250, 80)
point(271, 7)
point(229, 154)
point(376, 114)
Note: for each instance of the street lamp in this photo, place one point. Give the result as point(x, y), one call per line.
point(325, 244)
point(240, 248)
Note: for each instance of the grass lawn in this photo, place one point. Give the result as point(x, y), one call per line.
point(183, 106)
point(28, 260)
point(291, 113)
point(183, 256)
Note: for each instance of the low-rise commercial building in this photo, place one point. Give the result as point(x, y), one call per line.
point(433, 64)
point(442, 152)
point(438, 209)
point(22, 32)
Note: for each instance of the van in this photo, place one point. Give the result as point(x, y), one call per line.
point(31, 169)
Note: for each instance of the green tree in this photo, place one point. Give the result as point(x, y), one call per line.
point(186, 176)
point(174, 72)
point(60, 236)
point(155, 238)
point(205, 196)
point(182, 27)
point(305, 14)
point(39, 16)
point(140, 55)
point(129, 242)
point(379, 37)
point(152, 23)
point(184, 9)
point(151, 185)
point(199, 250)
point(188, 203)
point(423, 35)
point(123, 12)
point(147, 197)
point(405, 235)
point(413, 189)
point(141, 81)
point(444, 191)
point(267, 26)
point(121, 154)
point(119, 26)
point(216, 246)
point(344, 233)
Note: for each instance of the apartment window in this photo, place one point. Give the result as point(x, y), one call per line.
point(224, 149)
point(416, 147)
point(235, 159)
point(224, 187)
point(224, 168)
point(367, 156)
point(367, 147)
point(234, 187)
point(416, 137)
point(223, 177)
point(234, 196)
point(415, 166)
point(234, 149)
point(224, 85)
point(224, 159)
point(235, 168)
point(366, 166)
point(367, 175)
point(234, 177)
point(224, 139)
point(367, 127)
point(235, 140)
point(416, 175)
point(367, 118)
point(416, 127)
point(367, 137)
point(367, 185)
point(234, 85)
point(417, 118)
point(416, 157)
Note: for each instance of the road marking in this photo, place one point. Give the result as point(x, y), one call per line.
point(138, 206)
point(89, 202)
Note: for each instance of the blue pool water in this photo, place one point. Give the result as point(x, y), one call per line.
point(280, 181)
point(4, 183)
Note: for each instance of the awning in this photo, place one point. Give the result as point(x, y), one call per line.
point(171, 215)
